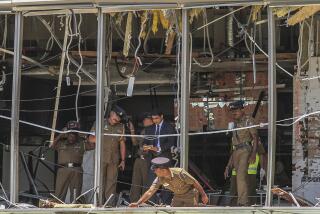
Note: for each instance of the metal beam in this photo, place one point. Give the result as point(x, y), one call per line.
point(283, 3)
point(185, 91)
point(121, 5)
point(15, 108)
point(137, 7)
point(272, 105)
point(57, 101)
point(101, 53)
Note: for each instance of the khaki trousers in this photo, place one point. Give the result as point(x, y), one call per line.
point(139, 179)
point(240, 158)
point(189, 199)
point(68, 178)
point(110, 176)
point(252, 181)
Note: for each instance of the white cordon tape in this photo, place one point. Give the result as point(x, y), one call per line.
point(296, 119)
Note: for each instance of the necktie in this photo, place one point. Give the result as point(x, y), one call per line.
point(158, 139)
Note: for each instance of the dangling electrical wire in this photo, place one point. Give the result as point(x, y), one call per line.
point(207, 36)
point(144, 18)
point(80, 66)
point(50, 41)
point(67, 51)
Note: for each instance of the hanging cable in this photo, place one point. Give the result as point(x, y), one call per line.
point(67, 51)
point(51, 98)
point(50, 41)
point(143, 26)
point(257, 46)
point(207, 35)
point(221, 17)
point(80, 66)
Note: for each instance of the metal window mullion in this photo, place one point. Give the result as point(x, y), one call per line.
point(185, 90)
point(15, 108)
point(272, 105)
point(101, 53)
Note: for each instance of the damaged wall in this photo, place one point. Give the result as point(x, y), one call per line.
point(227, 87)
point(306, 147)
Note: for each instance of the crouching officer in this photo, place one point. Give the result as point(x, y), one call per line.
point(244, 147)
point(177, 180)
point(70, 148)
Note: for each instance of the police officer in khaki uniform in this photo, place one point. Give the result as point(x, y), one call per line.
point(113, 150)
point(141, 164)
point(70, 148)
point(177, 180)
point(252, 178)
point(244, 147)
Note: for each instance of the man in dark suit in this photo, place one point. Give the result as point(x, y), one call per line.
point(160, 147)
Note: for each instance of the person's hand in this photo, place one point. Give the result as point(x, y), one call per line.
point(252, 158)
point(131, 127)
point(122, 165)
point(51, 144)
point(147, 148)
point(154, 149)
point(133, 205)
point(92, 139)
point(226, 173)
point(262, 173)
point(204, 199)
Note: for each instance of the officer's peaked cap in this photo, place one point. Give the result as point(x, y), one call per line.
point(237, 105)
point(118, 110)
point(160, 162)
point(73, 125)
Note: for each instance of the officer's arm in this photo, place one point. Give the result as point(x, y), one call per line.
point(199, 188)
point(228, 167)
point(134, 140)
point(56, 141)
point(147, 195)
point(123, 150)
point(254, 143)
point(90, 145)
point(254, 135)
point(204, 196)
point(92, 138)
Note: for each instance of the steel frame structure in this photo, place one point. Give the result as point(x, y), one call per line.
point(101, 7)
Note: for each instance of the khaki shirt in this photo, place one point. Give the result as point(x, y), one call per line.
point(70, 153)
point(180, 181)
point(111, 144)
point(244, 135)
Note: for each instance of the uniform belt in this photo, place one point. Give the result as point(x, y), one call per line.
point(71, 165)
point(187, 192)
point(240, 146)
